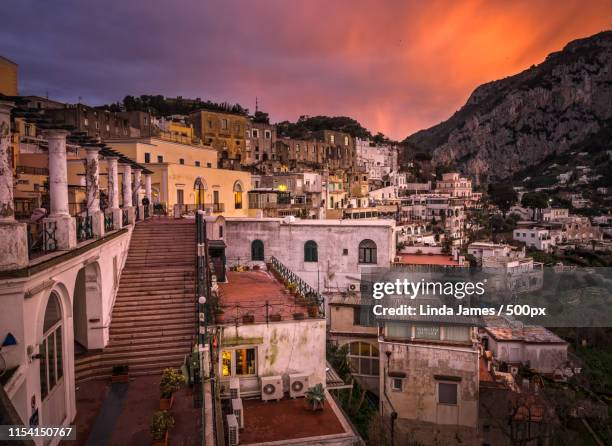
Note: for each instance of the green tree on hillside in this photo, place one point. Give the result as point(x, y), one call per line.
point(534, 201)
point(503, 196)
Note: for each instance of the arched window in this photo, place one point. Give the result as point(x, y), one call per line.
point(363, 359)
point(310, 251)
point(237, 195)
point(51, 348)
point(367, 251)
point(257, 250)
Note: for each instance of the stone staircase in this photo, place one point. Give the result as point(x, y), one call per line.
point(153, 319)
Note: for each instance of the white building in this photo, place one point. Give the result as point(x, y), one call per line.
point(454, 185)
point(328, 254)
point(378, 160)
point(537, 238)
point(535, 346)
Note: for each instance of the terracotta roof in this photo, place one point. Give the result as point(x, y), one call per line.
point(427, 259)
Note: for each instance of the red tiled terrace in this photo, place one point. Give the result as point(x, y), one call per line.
point(289, 419)
point(247, 292)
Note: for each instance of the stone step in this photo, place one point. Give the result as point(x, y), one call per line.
point(122, 326)
point(152, 314)
point(153, 306)
point(154, 334)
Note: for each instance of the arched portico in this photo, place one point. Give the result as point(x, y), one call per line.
point(87, 309)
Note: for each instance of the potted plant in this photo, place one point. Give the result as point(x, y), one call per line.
point(161, 423)
point(275, 317)
point(248, 318)
point(120, 373)
point(298, 316)
point(316, 397)
point(313, 309)
point(170, 382)
point(291, 287)
point(219, 315)
point(255, 267)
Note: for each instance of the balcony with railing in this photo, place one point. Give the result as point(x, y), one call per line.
point(41, 238)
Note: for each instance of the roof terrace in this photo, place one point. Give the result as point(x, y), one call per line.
point(291, 421)
point(261, 296)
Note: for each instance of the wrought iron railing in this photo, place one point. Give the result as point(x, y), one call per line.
point(159, 209)
point(125, 218)
point(301, 286)
point(218, 207)
point(109, 221)
point(84, 228)
point(41, 238)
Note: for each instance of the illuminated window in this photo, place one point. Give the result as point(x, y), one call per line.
point(239, 362)
point(237, 196)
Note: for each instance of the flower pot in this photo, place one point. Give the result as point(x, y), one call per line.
point(255, 267)
point(162, 442)
point(220, 318)
point(166, 403)
point(313, 311)
point(120, 378)
point(298, 316)
point(275, 317)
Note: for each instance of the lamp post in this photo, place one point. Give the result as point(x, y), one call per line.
point(202, 321)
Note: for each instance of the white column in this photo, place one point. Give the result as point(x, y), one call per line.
point(148, 188)
point(59, 216)
point(58, 172)
point(112, 182)
point(164, 188)
point(113, 190)
point(127, 193)
point(13, 235)
point(92, 173)
point(136, 187)
point(136, 194)
point(127, 185)
point(7, 207)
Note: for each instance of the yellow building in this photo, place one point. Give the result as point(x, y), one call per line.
point(225, 132)
point(171, 130)
point(188, 175)
point(8, 77)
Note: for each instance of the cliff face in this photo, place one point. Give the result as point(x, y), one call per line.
point(512, 123)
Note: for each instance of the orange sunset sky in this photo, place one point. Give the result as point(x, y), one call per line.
point(396, 66)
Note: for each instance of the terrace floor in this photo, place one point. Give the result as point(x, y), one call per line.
point(248, 292)
point(290, 419)
point(119, 414)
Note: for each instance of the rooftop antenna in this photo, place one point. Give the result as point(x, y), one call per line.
point(256, 105)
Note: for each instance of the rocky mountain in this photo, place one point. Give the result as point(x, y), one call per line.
point(513, 123)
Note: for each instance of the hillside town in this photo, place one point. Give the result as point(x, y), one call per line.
point(196, 278)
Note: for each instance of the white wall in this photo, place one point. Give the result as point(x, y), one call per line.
point(334, 270)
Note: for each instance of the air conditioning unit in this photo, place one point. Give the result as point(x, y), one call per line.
point(238, 412)
point(271, 388)
point(234, 389)
point(298, 384)
point(232, 430)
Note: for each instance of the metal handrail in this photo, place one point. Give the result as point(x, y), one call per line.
point(301, 286)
